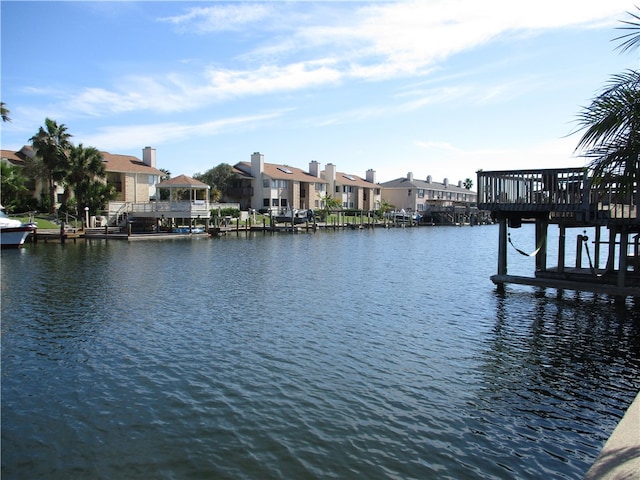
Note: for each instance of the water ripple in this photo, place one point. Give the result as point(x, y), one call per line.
point(343, 355)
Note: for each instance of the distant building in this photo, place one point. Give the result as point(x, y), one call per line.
point(352, 191)
point(433, 201)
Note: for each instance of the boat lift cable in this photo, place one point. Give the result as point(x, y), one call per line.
point(522, 252)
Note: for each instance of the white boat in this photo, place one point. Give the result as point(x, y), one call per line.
point(13, 232)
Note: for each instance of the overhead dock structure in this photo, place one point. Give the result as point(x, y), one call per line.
point(568, 198)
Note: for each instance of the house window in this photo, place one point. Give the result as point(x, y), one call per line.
point(377, 191)
point(265, 202)
point(316, 203)
point(337, 188)
point(420, 207)
point(409, 193)
point(274, 183)
point(350, 204)
point(115, 180)
point(421, 193)
point(283, 202)
point(265, 183)
point(344, 204)
point(274, 202)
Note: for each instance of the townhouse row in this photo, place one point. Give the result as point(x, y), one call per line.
point(263, 186)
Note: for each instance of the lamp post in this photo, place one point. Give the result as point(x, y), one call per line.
point(86, 217)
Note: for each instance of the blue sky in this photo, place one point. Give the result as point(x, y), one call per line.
point(432, 87)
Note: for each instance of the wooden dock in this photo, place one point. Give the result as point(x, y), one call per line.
point(567, 198)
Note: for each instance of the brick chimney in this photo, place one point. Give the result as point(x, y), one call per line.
point(149, 156)
point(314, 168)
point(257, 164)
point(371, 175)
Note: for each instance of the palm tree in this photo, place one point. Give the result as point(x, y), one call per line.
point(611, 124)
point(329, 204)
point(51, 145)
point(632, 39)
point(12, 185)
point(85, 168)
point(4, 112)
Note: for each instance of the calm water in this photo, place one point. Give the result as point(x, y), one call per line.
point(358, 354)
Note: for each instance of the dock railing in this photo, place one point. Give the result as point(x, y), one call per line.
point(561, 190)
point(557, 191)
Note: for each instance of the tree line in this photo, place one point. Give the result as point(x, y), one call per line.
point(56, 161)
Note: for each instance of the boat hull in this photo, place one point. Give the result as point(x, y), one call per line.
point(14, 237)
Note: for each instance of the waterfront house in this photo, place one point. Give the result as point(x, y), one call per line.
point(274, 187)
point(352, 191)
point(442, 203)
point(134, 180)
point(35, 185)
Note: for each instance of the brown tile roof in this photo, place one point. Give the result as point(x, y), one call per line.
point(127, 164)
point(113, 162)
point(350, 179)
point(183, 181)
point(12, 157)
point(281, 172)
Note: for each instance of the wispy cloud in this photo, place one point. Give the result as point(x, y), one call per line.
point(319, 47)
point(132, 136)
point(220, 17)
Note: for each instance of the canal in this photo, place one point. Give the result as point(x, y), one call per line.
point(357, 354)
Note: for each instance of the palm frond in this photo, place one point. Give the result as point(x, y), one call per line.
point(631, 40)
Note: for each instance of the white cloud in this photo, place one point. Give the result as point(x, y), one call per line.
point(220, 17)
point(373, 42)
point(132, 136)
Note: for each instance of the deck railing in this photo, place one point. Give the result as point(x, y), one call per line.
point(563, 189)
point(556, 191)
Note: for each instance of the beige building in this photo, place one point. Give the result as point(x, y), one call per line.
point(353, 192)
point(268, 186)
point(133, 179)
point(274, 187)
point(433, 201)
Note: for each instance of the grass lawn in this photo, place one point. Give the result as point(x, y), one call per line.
point(43, 221)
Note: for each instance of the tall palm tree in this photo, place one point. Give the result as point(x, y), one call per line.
point(85, 167)
point(51, 145)
point(611, 140)
point(611, 123)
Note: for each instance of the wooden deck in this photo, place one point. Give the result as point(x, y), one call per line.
point(567, 198)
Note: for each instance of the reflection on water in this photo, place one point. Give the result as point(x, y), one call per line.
point(383, 354)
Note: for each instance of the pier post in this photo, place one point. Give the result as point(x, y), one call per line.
point(612, 248)
point(596, 252)
point(542, 225)
point(561, 247)
point(579, 242)
point(622, 258)
point(502, 247)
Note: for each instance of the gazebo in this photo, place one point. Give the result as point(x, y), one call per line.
point(188, 198)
